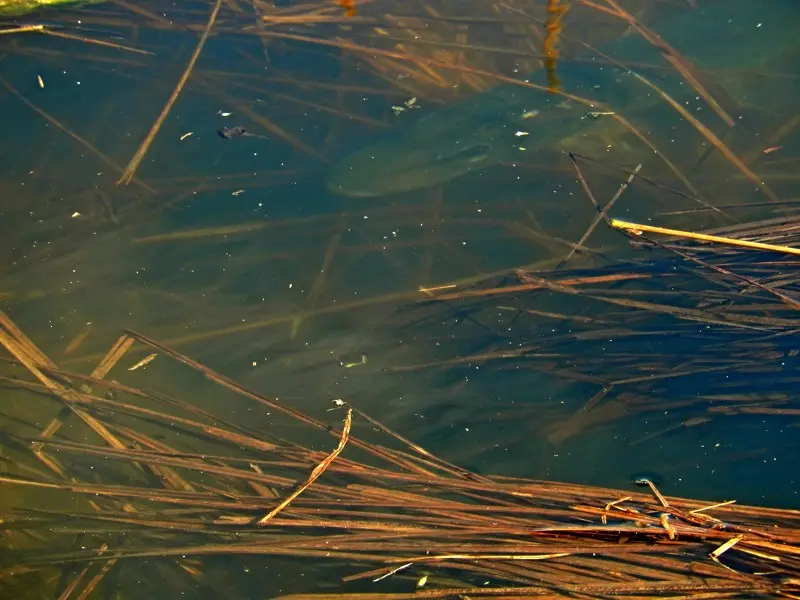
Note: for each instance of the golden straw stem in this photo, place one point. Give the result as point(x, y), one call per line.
point(637, 229)
point(22, 29)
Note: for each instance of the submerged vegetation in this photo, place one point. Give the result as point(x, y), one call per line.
point(169, 183)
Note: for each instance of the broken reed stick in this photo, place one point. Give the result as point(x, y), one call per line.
point(79, 577)
point(22, 29)
point(637, 229)
point(86, 40)
point(18, 344)
point(113, 356)
point(130, 170)
point(23, 349)
point(602, 213)
point(116, 352)
point(320, 280)
point(318, 470)
point(56, 123)
point(672, 56)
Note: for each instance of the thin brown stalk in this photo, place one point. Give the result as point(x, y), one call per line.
point(77, 340)
point(133, 165)
point(322, 276)
point(115, 353)
point(78, 578)
point(52, 120)
point(671, 56)
point(85, 40)
point(95, 581)
point(574, 281)
point(601, 212)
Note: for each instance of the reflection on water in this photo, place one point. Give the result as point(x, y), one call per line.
point(234, 250)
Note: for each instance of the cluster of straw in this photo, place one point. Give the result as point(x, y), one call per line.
point(380, 514)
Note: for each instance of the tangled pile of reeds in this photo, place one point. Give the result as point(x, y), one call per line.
point(699, 321)
point(162, 478)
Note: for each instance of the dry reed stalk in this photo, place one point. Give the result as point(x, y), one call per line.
point(34, 360)
point(22, 29)
point(535, 285)
point(105, 159)
point(144, 12)
point(675, 59)
point(713, 139)
point(233, 437)
point(85, 40)
point(744, 321)
point(601, 212)
point(133, 165)
point(67, 592)
point(115, 353)
point(318, 284)
point(77, 340)
point(430, 459)
point(112, 357)
point(96, 579)
point(412, 295)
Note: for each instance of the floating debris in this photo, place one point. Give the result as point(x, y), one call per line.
point(407, 105)
point(229, 133)
point(145, 361)
point(362, 361)
point(349, 7)
point(597, 114)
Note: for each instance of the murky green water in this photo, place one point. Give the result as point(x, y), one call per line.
point(236, 253)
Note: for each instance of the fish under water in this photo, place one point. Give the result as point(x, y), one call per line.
point(485, 129)
point(231, 133)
